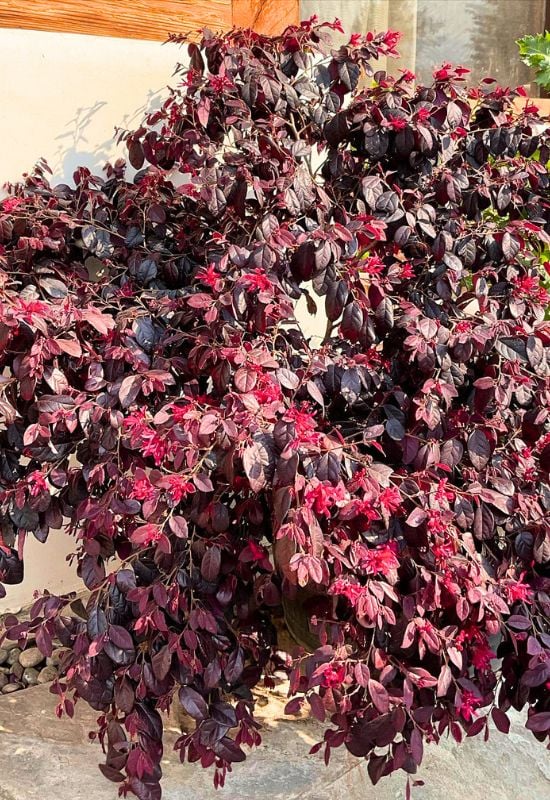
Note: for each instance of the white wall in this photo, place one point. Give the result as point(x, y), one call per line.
point(63, 94)
point(45, 568)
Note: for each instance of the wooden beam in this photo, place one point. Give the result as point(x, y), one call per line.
point(143, 19)
point(131, 19)
point(266, 16)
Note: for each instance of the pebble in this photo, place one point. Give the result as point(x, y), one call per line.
point(17, 670)
point(31, 676)
point(13, 655)
point(47, 674)
point(20, 669)
point(11, 687)
point(55, 659)
point(31, 657)
point(9, 644)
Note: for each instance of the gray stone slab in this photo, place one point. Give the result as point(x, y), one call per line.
point(42, 758)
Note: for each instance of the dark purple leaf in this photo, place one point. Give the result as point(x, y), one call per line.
point(210, 566)
point(479, 449)
point(193, 703)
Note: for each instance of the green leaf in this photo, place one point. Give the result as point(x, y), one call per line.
point(535, 52)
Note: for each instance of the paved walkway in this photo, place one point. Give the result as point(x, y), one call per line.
point(42, 758)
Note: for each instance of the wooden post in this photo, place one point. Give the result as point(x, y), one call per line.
point(266, 16)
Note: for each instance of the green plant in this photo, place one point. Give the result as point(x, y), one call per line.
point(535, 52)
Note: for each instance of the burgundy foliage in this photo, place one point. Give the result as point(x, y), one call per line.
point(160, 401)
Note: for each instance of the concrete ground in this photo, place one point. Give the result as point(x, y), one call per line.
point(42, 758)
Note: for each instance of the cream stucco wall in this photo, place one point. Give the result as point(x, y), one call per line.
point(63, 94)
point(45, 568)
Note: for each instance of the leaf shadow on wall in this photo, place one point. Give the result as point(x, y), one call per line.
point(78, 146)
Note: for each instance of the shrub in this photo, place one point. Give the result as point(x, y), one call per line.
point(535, 52)
point(162, 403)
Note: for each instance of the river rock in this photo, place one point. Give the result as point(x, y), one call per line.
point(3, 680)
point(31, 657)
point(55, 659)
point(47, 674)
point(11, 687)
point(17, 669)
point(13, 655)
point(3, 655)
point(30, 676)
point(9, 644)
